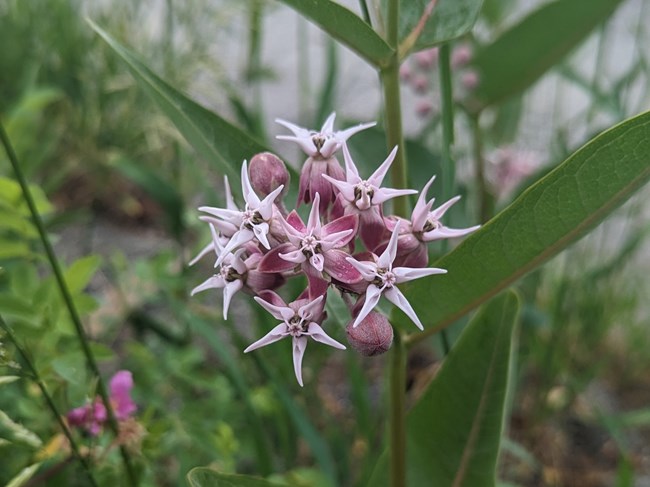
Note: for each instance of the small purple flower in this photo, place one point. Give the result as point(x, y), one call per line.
point(425, 223)
point(92, 416)
point(300, 319)
point(383, 279)
point(252, 223)
point(365, 196)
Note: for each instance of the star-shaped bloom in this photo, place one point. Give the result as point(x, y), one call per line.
point(299, 321)
point(425, 223)
point(316, 247)
point(230, 276)
point(383, 279)
point(251, 223)
point(321, 144)
point(365, 196)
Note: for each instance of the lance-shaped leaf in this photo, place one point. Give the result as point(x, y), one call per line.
point(346, 27)
point(207, 477)
point(436, 22)
point(218, 141)
point(549, 216)
point(522, 54)
point(454, 430)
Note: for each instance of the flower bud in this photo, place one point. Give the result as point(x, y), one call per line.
point(373, 335)
point(267, 172)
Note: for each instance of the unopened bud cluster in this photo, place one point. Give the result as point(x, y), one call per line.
point(347, 243)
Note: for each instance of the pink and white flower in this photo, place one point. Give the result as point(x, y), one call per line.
point(300, 320)
point(383, 279)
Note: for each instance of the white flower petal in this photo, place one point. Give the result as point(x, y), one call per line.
point(404, 274)
point(373, 293)
point(396, 297)
point(277, 333)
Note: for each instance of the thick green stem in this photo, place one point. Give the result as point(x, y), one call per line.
point(48, 399)
point(398, 412)
point(67, 299)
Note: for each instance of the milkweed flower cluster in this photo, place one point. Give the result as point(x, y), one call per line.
point(92, 416)
point(259, 246)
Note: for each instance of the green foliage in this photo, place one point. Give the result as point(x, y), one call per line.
point(454, 430)
point(344, 26)
point(206, 477)
point(522, 54)
point(548, 217)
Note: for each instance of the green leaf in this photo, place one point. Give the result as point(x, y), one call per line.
point(70, 367)
point(24, 475)
point(346, 27)
point(207, 477)
point(218, 141)
point(8, 379)
point(522, 54)
point(549, 216)
point(448, 20)
point(454, 430)
point(79, 274)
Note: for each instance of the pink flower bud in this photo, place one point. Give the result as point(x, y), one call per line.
point(470, 80)
point(461, 56)
point(372, 336)
point(421, 84)
point(405, 72)
point(427, 59)
point(267, 172)
point(424, 108)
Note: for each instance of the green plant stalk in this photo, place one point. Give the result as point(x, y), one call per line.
point(254, 63)
point(365, 12)
point(483, 207)
point(399, 175)
point(48, 399)
point(67, 299)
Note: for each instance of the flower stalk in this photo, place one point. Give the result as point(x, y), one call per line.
point(67, 299)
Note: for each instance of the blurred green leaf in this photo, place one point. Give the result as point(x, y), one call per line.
point(11, 249)
point(207, 477)
point(8, 379)
point(16, 306)
point(23, 476)
point(218, 141)
point(495, 10)
point(549, 216)
point(454, 430)
point(346, 27)
point(79, 274)
point(448, 20)
point(522, 54)
point(70, 367)
point(17, 433)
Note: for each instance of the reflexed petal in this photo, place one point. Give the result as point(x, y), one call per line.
point(343, 135)
point(337, 266)
point(404, 274)
point(328, 126)
point(378, 176)
point(445, 232)
point(312, 309)
point(372, 228)
point(373, 293)
point(299, 346)
point(273, 262)
point(347, 222)
point(251, 198)
point(261, 230)
point(266, 205)
point(278, 312)
point(313, 223)
point(396, 297)
point(351, 171)
point(263, 281)
point(346, 189)
point(318, 334)
point(214, 282)
point(273, 298)
point(303, 185)
point(439, 212)
point(230, 201)
point(295, 256)
point(206, 250)
point(317, 286)
point(388, 256)
point(229, 290)
point(277, 333)
point(317, 261)
point(367, 269)
point(336, 240)
point(296, 223)
point(385, 194)
point(297, 131)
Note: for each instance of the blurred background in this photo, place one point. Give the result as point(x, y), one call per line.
point(118, 187)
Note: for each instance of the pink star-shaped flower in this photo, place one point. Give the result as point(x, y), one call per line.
point(251, 223)
point(383, 279)
point(299, 321)
point(321, 144)
point(426, 224)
